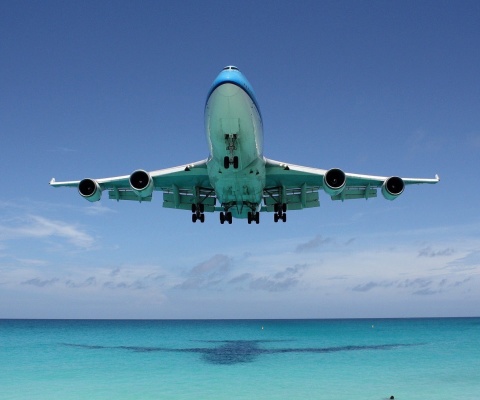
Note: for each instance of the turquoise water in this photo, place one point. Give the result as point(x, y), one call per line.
point(287, 359)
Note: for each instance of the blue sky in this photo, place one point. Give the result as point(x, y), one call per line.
point(98, 89)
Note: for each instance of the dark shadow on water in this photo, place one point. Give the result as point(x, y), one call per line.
point(229, 352)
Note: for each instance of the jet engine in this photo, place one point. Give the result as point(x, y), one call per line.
point(334, 181)
point(141, 183)
point(393, 187)
point(90, 189)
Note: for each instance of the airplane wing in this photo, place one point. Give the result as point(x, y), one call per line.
point(298, 186)
point(182, 186)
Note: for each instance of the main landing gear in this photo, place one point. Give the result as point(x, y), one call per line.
point(225, 217)
point(280, 212)
point(198, 213)
point(253, 216)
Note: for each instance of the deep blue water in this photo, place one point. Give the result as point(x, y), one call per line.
point(240, 359)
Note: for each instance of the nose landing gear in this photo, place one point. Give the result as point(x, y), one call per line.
point(231, 141)
point(227, 161)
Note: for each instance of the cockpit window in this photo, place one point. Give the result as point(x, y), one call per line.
point(230, 67)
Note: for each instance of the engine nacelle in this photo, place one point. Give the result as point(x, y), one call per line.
point(393, 187)
point(334, 181)
point(141, 182)
point(89, 189)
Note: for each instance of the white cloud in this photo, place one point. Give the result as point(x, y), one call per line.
point(97, 209)
point(40, 227)
point(339, 272)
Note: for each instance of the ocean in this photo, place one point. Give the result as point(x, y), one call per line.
point(240, 359)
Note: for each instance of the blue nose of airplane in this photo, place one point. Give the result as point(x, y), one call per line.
point(229, 81)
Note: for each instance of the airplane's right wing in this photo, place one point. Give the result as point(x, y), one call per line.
point(298, 186)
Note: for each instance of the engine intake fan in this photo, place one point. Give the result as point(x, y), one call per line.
point(334, 181)
point(141, 182)
point(90, 190)
point(393, 187)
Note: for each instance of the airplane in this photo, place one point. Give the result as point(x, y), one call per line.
point(236, 180)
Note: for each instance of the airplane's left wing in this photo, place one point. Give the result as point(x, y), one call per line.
point(182, 186)
point(298, 186)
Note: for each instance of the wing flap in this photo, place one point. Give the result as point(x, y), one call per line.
point(118, 195)
point(350, 193)
point(297, 199)
point(185, 200)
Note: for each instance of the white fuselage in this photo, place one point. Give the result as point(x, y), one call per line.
point(234, 128)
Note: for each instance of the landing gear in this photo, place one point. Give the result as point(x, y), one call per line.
point(225, 217)
point(239, 209)
point(280, 212)
point(231, 142)
point(227, 161)
point(200, 218)
point(253, 216)
point(198, 213)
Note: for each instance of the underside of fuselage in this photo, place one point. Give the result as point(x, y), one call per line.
point(236, 167)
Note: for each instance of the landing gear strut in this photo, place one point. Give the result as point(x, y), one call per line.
point(253, 216)
point(198, 213)
point(231, 141)
point(280, 212)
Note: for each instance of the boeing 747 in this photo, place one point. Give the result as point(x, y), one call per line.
point(236, 180)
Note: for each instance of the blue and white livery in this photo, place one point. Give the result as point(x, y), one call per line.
point(236, 179)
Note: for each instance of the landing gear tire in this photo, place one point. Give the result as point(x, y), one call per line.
point(198, 217)
point(235, 162)
point(253, 217)
point(226, 162)
point(280, 212)
point(226, 217)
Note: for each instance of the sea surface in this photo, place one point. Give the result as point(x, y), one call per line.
point(240, 359)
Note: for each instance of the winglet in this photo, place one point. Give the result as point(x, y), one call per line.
point(437, 177)
point(52, 181)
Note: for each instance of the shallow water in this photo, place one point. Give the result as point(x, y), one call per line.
point(246, 359)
